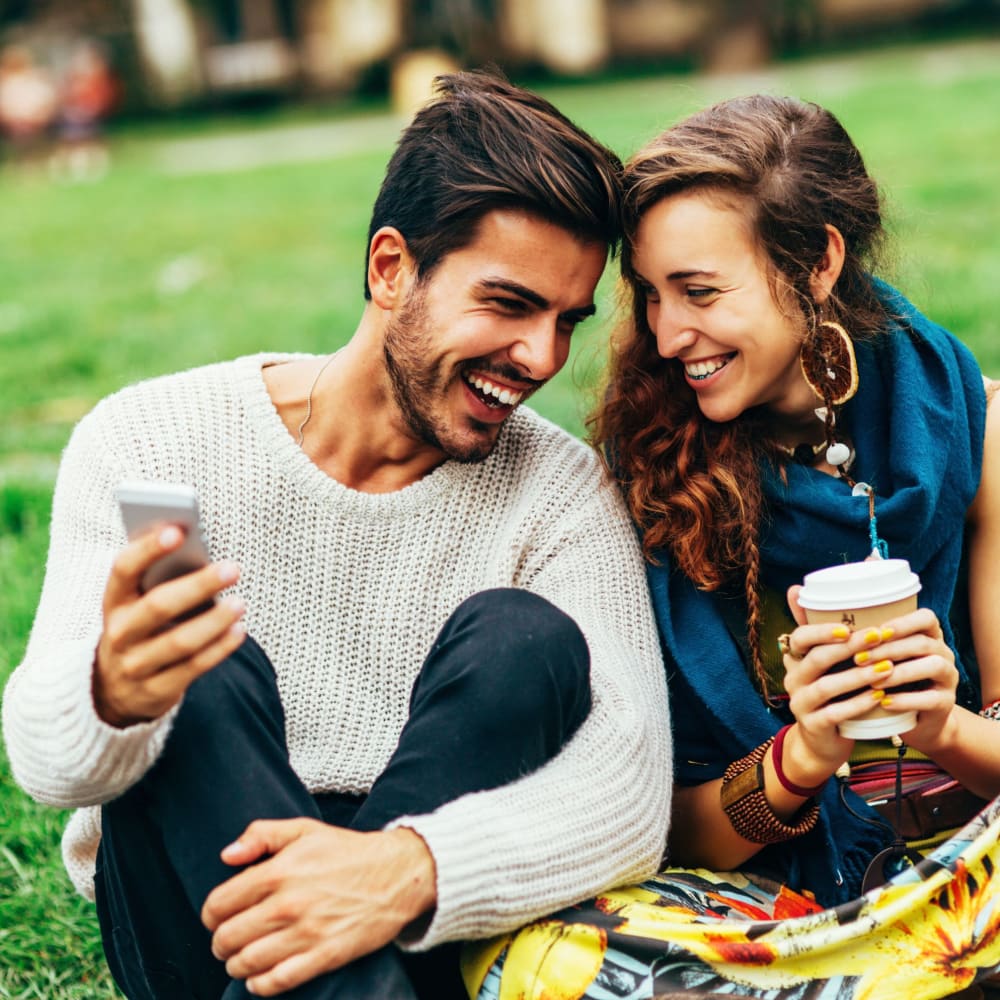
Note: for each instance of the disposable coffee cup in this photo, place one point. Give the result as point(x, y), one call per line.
point(864, 595)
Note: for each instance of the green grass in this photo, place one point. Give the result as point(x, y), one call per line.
point(274, 260)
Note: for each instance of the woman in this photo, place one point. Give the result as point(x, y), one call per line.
point(774, 409)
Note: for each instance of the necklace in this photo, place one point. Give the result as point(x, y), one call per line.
point(309, 398)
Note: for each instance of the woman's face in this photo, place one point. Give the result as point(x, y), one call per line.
point(710, 306)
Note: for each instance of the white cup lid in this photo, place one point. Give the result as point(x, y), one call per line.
point(858, 585)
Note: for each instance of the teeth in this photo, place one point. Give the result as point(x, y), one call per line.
point(702, 369)
point(506, 397)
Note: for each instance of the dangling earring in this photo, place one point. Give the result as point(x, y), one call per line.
point(829, 365)
point(830, 368)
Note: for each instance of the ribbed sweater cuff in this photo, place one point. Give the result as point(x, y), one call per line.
point(461, 887)
point(92, 761)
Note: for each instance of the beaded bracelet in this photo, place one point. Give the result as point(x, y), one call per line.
point(743, 799)
point(783, 779)
point(991, 711)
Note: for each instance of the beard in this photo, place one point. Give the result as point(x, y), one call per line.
point(420, 383)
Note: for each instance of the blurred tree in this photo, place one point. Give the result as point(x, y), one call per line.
point(742, 37)
point(465, 28)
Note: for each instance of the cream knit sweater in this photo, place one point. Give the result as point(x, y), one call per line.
point(346, 591)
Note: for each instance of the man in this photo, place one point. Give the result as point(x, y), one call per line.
point(282, 812)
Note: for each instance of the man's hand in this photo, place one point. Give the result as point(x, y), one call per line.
point(146, 659)
point(322, 897)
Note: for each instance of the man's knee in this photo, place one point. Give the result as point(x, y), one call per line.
point(244, 680)
point(525, 656)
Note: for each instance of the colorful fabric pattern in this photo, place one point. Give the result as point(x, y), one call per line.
point(931, 931)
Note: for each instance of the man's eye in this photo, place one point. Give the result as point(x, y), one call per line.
point(511, 305)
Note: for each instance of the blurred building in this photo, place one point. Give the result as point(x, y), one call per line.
point(176, 52)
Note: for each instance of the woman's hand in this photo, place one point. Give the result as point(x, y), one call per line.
point(906, 651)
point(818, 749)
point(923, 663)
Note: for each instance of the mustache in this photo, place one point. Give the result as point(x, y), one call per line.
point(506, 373)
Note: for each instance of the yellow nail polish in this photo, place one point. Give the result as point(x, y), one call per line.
point(882, 667)
point(878, 694)
point(841, 631)
point(873, 635)
point(886, 701)
point(888, 633)
point(862, 658)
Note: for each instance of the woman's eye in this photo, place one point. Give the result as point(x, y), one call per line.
point(701, 294)
point(649, 293)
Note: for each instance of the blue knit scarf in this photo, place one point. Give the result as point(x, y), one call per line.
point(917, 425)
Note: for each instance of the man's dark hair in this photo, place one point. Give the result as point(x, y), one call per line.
point(485, 144)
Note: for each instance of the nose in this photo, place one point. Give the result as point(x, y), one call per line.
point(540, 351)
point(669, 328)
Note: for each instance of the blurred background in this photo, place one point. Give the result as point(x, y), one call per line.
point(183, 181)
point(186, 53)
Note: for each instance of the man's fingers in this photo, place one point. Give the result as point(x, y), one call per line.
point(138, 618)
point(193, 641)
point(242, 891)
point(135, 559)
point(149, 678)
point(228, 904)
point(166, 686)
point(265, 836)
point(169, 601)
point(283, 940)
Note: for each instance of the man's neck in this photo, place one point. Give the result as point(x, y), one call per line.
point(352, 428)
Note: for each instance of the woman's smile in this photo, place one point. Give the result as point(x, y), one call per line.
point(704, 369)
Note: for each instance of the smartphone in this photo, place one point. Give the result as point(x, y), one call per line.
point(146, 505)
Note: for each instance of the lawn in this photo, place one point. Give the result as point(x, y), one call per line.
point(173, 261)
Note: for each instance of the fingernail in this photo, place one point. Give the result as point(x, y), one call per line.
point(229, 572)
point(886, 701)
point(238, 628)
point(873, 635)
point(862, 658)
point(878, 694)
point(882, 667)
point(170, 535)
point(888, 633)
point(841, 631)
point(234, 603)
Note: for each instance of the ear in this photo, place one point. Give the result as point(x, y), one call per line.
point(390, 266)
point(827, 271)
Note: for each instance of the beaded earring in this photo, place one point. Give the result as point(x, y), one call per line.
point(830, 368)
point(829, 364)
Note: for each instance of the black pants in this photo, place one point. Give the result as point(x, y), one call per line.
point(504, 687)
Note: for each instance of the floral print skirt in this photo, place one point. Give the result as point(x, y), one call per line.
point(930, 932)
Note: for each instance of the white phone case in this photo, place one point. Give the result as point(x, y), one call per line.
point(149, 504)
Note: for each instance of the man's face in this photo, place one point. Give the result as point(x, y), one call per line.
point(490, 325)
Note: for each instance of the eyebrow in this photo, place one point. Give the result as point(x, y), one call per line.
point(679, 275)
point(696, 273)
point(530, 295)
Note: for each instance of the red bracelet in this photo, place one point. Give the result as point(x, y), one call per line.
point(789, 786)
